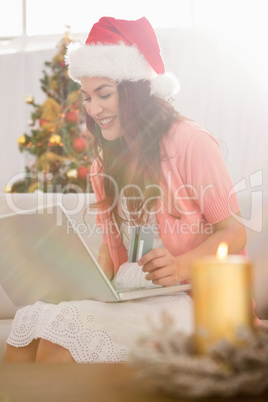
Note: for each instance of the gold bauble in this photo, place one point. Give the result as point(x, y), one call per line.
point(72, 174)
point(29, 99)
point(55, 139)
point(22, 140)
point(8, 189)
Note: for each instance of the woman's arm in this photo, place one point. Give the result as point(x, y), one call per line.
point(164, 269)
point(106, 261)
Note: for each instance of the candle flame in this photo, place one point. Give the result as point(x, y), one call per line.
point(222, 250)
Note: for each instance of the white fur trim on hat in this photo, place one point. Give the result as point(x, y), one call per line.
point(165, 85)
point(118, 62)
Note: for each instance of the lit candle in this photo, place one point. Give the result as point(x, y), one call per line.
point(222, 298)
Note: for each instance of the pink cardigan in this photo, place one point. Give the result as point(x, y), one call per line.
point(197, 183)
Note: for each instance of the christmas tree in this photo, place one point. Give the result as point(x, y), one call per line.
point(59, 141)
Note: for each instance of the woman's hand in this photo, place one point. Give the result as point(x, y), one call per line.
point(161, 267)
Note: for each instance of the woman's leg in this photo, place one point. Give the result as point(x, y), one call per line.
point(49, 352)
point(21, 354)
point(39, 350)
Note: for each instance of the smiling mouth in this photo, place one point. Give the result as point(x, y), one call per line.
point(106, 122)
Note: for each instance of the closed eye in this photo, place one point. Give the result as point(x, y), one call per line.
point(101, 96)
point(105, 96)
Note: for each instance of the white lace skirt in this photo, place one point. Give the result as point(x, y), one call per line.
point(100, 332)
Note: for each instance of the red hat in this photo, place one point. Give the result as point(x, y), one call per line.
point(122, 50)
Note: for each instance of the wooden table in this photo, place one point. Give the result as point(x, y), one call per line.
point(85, 382)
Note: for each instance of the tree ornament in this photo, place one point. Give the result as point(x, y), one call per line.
point(22, 140)
point(8, 189)
point(79, 144)
point(29, 99)
point(42, 122)
point(55, 139)
point(71, 117)
point(83, 171)
point(72, 174)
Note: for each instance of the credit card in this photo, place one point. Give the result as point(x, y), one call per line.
point(142, 241)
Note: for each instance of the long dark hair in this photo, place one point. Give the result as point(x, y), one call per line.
point(133, 160)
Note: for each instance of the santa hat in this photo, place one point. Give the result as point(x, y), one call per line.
point(122, 50)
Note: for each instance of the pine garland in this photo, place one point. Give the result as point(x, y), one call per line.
point(169, 357)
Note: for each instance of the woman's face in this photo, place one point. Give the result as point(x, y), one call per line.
point(102, 104)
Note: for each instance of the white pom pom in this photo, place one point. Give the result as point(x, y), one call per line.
point(165, 86)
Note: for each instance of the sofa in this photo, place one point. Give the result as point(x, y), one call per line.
point(75, 205)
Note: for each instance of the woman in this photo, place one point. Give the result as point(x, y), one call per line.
point(152, 167)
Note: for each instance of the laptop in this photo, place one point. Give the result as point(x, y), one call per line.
point(45, 255)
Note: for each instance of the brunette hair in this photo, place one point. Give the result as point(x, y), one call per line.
point(133, 161)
